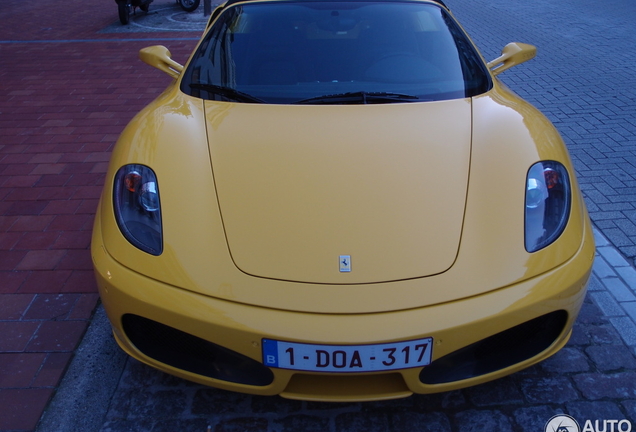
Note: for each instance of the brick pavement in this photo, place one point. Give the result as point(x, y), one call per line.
point(66, 91)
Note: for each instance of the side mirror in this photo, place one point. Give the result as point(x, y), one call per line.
point(158, 56)
point(513, 54)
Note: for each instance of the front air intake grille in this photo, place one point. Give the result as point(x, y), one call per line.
point(193, 354)
point(497, 352)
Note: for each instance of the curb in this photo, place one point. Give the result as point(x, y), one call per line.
point(83, 397)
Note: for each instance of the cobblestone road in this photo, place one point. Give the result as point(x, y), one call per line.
point(583, 80)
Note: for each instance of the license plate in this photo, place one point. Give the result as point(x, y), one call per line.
point(347, 358)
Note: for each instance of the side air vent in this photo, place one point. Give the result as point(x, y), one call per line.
point(193, 354)
point(497, 352)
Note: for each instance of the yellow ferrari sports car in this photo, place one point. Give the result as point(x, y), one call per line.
point(338, 200)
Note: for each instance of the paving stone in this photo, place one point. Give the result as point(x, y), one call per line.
point(532, 419)
point(217, 402)
point(49, 281)
point(630, 308)
point(30, 223)
point(41, 260)
point(51, 370)
point(21, 407)
point(440, 401)
point(9, 259)
point(590, 313)
point(602, 269)
point(312, 406)
point(597, 410)
point(16, 335)
point(499, 392)
point(51, 306)
point(403, 404)
point(18, 369)
point(84, 307)
point(75, 259)
point(628, 274)
point(420, 422)
point(157, 404)
point(626, 328)
point(362, 422)
point(616, 236)
point(453, 400)
point(549, 389)
point(567, 360)
point(172, 425)
point(479, 421)
point(604, 334)
point(37, 240)
point(302, 422)
point(630, 409)
point(137, 375)
point(57, 336)
point(137, 425)
point(13, 306)
point(80, 281)
point(619, 290)
point(607, 304)
point(611, 357)
point(10, 281)
point(595, 386)
point(245, 424)
point(73, 222)
point(595, 284)
point(580, 337)
point(9, 240)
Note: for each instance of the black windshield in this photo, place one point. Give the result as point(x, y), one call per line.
point(299, 52)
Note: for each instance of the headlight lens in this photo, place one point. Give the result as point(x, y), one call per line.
point(137, 207)
point(548, 197)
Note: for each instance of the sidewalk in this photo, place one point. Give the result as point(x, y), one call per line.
point(66, 92)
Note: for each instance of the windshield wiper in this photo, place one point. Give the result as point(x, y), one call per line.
point(227, 92)
point(360, 97)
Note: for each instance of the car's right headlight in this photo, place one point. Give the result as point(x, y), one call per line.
point(548, 197)
point(137, 207)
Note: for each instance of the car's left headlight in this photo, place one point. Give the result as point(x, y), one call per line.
point(548, 197)
point(137, 207)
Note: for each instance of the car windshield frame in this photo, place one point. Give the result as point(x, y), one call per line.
point(335, 52)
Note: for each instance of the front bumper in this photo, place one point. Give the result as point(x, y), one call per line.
point(458, 328)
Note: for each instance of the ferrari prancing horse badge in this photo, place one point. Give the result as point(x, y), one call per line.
point(345, 263)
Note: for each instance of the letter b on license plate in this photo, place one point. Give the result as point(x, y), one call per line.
point(347, 358)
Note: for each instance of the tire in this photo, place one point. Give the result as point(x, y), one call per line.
point(189, 5)
point(124, 12)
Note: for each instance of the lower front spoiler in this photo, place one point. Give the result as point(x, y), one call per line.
point(467, 334)
point(186, 352)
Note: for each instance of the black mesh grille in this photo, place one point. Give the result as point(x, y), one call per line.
point(193, 354)
point(497, 352)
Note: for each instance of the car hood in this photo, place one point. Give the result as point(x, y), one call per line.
point(302, 189)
